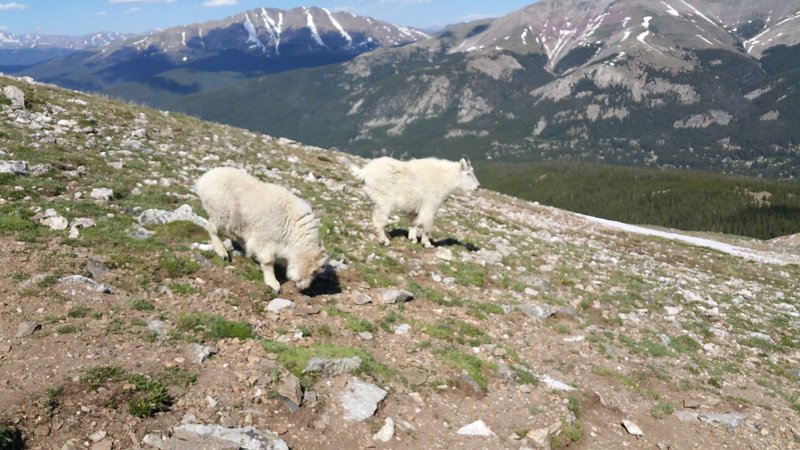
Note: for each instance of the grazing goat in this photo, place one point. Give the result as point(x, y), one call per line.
point(417, 187)
point(272, 223)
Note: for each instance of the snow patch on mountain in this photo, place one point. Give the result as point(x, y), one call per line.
point(273, 28)
point(311, 26)
point(670, 10)
point(338, 26)
point(698, 12)
point(252, 36)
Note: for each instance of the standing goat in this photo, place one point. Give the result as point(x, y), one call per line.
point(271, 222)
point(417, 187)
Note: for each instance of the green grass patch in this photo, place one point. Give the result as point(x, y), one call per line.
point(79, 312)
point(475, 367)
point(212, 327)
point(183, 288)
point(67, 329)
point(570, 433)
point(455, 330)
point(295, 358)
point(685, 344)
point(177, 266)
point(662, 409)
point(140, 304)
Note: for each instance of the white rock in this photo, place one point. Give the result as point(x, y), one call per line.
point(386, 433)
point(102, 194)
point(402, 329)
point(477, 428)
point(632, 428)
point(279, 304)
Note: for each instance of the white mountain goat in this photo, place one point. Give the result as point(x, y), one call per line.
point(272, 223)
point(417, 187)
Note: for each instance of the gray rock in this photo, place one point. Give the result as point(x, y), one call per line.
point(392, 296)
point(730, 420)
point(290, 405)
point(158, 327)
point(632, 428)
point(470, 386)
point(291, 389)
point(277, 305)
point(537, 311)
point(80, 280)
point(360, 298)
point(16, 96)
point(26, 329)
point(310, 398)
point(81, 222)
point(414, 376)
point(139, 232)
point(541, 436)
point(477, 428)
point(360, 400)
point(196, 353)
point(160, 216)
point(14, 167)
point(686, 416)
point(365, 336)
point(332, 367)
point(402, 329)
point(96, 268)
point(216, 437)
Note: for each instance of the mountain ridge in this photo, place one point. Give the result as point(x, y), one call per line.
point(577, 332)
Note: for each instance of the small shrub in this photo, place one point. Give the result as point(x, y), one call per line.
point(140, 304)
point(685, 344)
point(67, 329)
point(662, 410)
point(95, 377)
point(178, 266)
point(79, 312)
point(213, 327)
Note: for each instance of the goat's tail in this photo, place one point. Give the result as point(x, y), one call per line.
point(358, 172)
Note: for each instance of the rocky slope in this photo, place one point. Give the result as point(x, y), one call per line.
point(529, 326)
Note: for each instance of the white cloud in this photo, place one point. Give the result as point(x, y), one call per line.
point(135, 9)
point(10, 6)
point(102, 13)
point(218, 3)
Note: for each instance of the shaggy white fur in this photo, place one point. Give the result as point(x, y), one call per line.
point(272, 223)
point(417, 187)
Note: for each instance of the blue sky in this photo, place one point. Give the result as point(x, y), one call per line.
point(77, 17)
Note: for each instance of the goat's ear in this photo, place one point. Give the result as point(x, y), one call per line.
point(464, 164)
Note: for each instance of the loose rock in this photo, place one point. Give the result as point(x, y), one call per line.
point(360, 400)
point(477, 428)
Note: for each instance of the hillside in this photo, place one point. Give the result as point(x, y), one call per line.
point(552, 328)
point(707, 85)
point(682, 199)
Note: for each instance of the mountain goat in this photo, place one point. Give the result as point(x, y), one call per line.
point(271, 222)
point(417, 187)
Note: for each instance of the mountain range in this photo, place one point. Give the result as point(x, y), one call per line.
point(708, 84)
